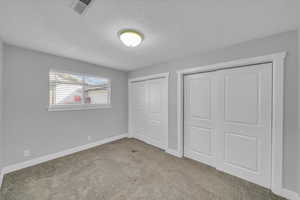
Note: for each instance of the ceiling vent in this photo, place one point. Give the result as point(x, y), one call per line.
point(80, 6)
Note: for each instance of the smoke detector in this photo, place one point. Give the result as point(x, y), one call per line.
point(80, 6)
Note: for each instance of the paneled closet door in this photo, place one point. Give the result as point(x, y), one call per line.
point(149, 108)
point(157, 112)
point(200, 117)
point(244, 122)
point(139, 109)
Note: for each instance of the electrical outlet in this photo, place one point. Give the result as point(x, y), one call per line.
point(89, 138)
point(27, 153)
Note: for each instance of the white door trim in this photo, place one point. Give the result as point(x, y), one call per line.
point(277, 115)
point(144, 78)
point(153, 76)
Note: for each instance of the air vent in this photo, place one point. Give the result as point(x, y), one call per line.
point(80, 6)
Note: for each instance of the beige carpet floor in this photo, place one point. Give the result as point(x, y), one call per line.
point(126, 170)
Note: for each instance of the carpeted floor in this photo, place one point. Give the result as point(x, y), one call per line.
point(126, 170)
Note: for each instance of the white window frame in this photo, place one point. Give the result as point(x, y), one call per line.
point(79, 106)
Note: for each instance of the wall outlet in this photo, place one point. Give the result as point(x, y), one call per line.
point(89, 138)
point(27, 153)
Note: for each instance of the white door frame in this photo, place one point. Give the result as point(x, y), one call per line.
point(277, 107)
point(144, 78)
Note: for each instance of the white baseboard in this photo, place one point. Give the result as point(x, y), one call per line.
point(284, 192)
point(173, 152)
point(49, 157)
point(291, 195)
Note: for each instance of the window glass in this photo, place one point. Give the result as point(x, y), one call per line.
point(73, 89)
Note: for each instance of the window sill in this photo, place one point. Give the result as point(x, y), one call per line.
point(76, 107)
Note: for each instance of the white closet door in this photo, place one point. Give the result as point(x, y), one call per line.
point(149, 108)
point(199, 117)
point(139, 109)
point(156, 112)
point(244, 122)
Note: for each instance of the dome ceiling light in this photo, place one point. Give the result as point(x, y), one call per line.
point(131, 38)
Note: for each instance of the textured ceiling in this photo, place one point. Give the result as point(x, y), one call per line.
point(172, 28)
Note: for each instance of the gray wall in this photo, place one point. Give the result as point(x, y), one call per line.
point(277, 43)
point(299, 106)
point(1, 106)
point(28, 124)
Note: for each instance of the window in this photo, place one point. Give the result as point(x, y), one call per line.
point(71, 91)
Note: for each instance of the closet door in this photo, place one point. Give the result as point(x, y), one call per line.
point(244, 122)
point(139, 109)
point(157, 112)
point(149, 108)
point(199, 117)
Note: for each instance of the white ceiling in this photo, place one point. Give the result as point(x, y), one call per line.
point(172, 28)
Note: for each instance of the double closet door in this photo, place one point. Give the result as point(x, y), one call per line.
point(149, 111)
point(227, 120)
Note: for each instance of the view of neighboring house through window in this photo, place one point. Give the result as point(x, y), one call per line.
point(67, 89)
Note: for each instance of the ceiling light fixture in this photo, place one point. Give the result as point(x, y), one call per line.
point(131, 38)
